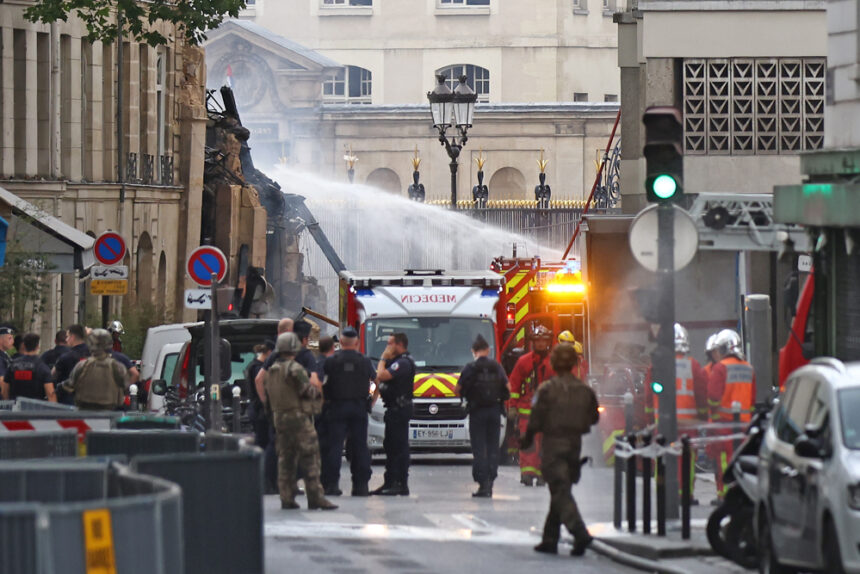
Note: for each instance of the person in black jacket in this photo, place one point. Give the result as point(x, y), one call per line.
point(484, 386)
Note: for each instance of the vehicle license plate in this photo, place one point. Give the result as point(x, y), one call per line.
point(433, 434)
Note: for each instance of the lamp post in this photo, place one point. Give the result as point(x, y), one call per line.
point(452, 110)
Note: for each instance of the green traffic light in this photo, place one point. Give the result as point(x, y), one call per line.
point(657, 387)
point(664, 186)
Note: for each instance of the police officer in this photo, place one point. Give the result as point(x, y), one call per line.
point(7, 341)
point(395, 374)
point(347, 376)
point(99, 381)
point(564, 410)
point(28, 376)
point(60, 348)
point(290, 393)
point(78, 351)
point(484, 385)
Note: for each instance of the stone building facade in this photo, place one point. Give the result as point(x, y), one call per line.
point(105, 138)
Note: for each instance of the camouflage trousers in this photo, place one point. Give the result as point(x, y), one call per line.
point(561, 471)
point(296, 443)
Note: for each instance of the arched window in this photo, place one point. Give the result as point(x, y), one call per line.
point(144, 269)
point(386, 180)
point(477, 78)
point(161, 288)
point(351, 85)
point(508, 183)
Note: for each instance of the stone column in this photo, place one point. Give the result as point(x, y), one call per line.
point(7, 103)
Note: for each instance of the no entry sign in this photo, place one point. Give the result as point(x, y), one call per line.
point(109, 248)
point(203, 262)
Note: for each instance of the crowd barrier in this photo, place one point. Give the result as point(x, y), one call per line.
point(222, 500)
point(79, 517)
point(38, 444)
point(139, 442)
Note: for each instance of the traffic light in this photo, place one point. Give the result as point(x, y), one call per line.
point(664, 154)
point(657, 387)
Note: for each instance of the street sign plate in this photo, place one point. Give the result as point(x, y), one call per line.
point(198, 299)
point(109, 271)
point(203, 262)
point(804, 263)
point(643, 238)
point(109, 248)
point(108, 286)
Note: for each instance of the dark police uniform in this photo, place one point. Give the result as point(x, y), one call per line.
point(485, 387)
point(27, 376)
point(51, 356)
point(347, 385)
point(64, 367)
point(5, 361)
point(397, 396)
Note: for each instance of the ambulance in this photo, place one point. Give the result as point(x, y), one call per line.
point(441, 312)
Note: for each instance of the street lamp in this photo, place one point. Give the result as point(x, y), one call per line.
point(452, 109)
point(350, 160)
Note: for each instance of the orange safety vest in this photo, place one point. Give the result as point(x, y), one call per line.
point(685, 397)
point(739, 388)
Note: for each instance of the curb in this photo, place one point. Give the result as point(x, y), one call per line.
point(632, 560)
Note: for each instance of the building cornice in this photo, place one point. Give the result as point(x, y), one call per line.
point(731, 5)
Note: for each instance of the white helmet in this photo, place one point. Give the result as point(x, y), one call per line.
point(682, 339)
point(116, 327)
point(728, 342)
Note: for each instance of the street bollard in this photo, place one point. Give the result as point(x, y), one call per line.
point(646, 487)
point(216, 416)
point(237, 409)
point(736, 417)
point(685, 487)
point(628, 412)
point(133, 398)
point(618, 490)
point(631, 486)
point(661, 489)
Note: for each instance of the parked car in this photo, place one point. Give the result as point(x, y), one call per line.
point(241, 334)
point(156, 339)
point(808, 513)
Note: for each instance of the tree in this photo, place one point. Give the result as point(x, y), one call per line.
point(191, 17)
point(23, 286)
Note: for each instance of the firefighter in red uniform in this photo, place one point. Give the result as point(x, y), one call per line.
point(531, 370)
point(731, 381)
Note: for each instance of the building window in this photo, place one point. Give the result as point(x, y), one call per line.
point(464, 2)
point(608, 7)
point(745, 106)
point(161, 102)
point(352, 84)
point(347, 2)
point(610, 97)
point(477, 78)
point(580, 96)
point(581, 6)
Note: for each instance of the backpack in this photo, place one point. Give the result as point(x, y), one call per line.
point(486, 391)
point(89, 381)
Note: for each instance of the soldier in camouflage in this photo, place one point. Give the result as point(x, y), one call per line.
point(293, 400)
point(99, 381)
point(565, 408)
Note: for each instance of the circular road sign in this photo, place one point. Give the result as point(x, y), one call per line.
point(643, 238)
point(203, 262)
point(109, 248)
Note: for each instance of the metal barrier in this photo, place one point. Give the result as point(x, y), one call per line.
point(139, 442)
point(38, 444)
point(83, 516)
point(31, 405)
point(141, 421)
point(6, 405)
point(222, 499)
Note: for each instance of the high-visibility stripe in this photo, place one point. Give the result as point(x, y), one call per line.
point(525, 411)
point(515, 395)
point(525, 469)
point(434, 384)
point(515, 280)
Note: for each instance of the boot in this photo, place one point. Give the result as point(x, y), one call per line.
point(539, 481)
point(378, 491)
point(484, 491)
point(394, 489)
point(547, 548)
point(289, 505)
point(360, 490)
point(580, 544)
point(527, 479)
point(321, 504)
point(333, 491)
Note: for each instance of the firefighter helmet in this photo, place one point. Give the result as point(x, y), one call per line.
point(682, 339)
point(563, 358)
point(100, 342)
point(711, 344)
point(541, 332)
point(116, 327)
point(567, 337)
point(728, 342)
point(288, 344)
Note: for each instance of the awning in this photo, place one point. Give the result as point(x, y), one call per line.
point(64, 247)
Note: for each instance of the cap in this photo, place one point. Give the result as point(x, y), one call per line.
point(349, 332)
point(302, 329)
point(269, 344)
point(7, 330)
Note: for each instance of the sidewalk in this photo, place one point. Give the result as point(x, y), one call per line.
point(665, 554)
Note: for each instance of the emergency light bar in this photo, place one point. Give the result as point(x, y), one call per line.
point(411, 278)
point(570, 288)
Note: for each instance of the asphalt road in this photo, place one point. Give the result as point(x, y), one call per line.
point(438, 528)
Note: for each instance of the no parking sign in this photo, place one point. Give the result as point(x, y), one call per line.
point(203, 262)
